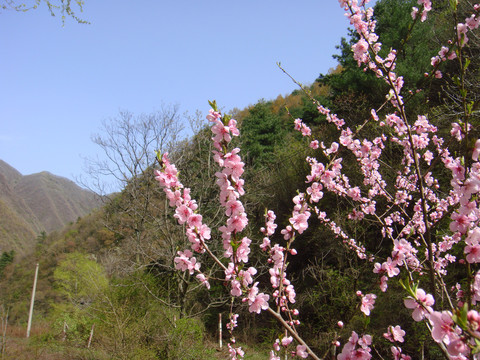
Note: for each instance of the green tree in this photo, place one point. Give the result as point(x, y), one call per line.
point(353, 91)
point(5, 259)
point(80, 279)
point(262, 131)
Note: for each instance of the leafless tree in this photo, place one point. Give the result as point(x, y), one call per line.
point(67, 8)
point(128, 144)
point(138, 212)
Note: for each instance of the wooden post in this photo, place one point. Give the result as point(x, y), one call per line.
point(334, 345)
point(29, 325)
point(4, 331)
point(90, 337)
point(64, 333)
point(220, 330)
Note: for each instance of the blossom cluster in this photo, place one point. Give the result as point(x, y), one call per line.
point(414, 187)
point(185, 213)
point(356, 348)
point(236, 247)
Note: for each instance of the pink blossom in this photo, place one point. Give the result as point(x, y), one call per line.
point(442, 326)
point(476, 150)
point(243, 250)
point(428, 156)
point(248, 275)
point(286, 341)
point(414, 12)
point(184, 261)
point(265, 244)
point(427, 6)
point(391, 268)
point(397, 354)
point(461, 223)
point(457, 348)
point(203, 279)
point(360, 51)
point(290, 293)
point(462, 30)
point(237, 222)
point(259, 303)
point(434, 61)
point(236, 288)
point(472, 22)
point(235, 352)
point(287, 232)
point(350, 350)
point(302, 351)
point(473, 253)
point(297, 124)
point(182, 213)
point(299, 222)
point(195, 220)
point(394, 334)
point(273, 356)
point(456, 131)
point(365, 341)
point(315, 191)
point(213, 115)
point(367, 304)
point(306, 131)
point(204, 232)
point(421, 304)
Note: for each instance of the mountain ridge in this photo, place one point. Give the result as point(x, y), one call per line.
point(36, 203)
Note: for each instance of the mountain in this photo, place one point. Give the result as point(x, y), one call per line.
point(35, 203)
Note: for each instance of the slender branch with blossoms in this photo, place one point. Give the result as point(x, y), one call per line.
point(410, 210)
point(236, 247)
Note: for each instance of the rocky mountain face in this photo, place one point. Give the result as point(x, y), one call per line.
point(35, 203)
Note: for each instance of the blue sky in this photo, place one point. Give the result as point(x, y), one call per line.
point(58, 83)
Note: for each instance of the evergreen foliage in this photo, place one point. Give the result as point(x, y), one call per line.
point(6, 258)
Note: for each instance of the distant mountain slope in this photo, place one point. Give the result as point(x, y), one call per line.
point(35, 203)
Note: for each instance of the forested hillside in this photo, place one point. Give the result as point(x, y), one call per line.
point(116, 270)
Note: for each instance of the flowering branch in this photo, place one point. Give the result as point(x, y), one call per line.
point(408, 209)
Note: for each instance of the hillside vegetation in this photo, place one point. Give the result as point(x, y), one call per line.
point(114, 271)
point(39, 203)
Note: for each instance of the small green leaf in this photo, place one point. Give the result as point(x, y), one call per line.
point(470, 107)
point(476, 349)
point(459, 316)
point(456, 79)
point(407, 286)
point(226, 119)
point(454, 4)
point(367, 321)
point(213, 104)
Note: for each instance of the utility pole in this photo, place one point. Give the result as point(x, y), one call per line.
point(220, 330)
point(29, 325)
